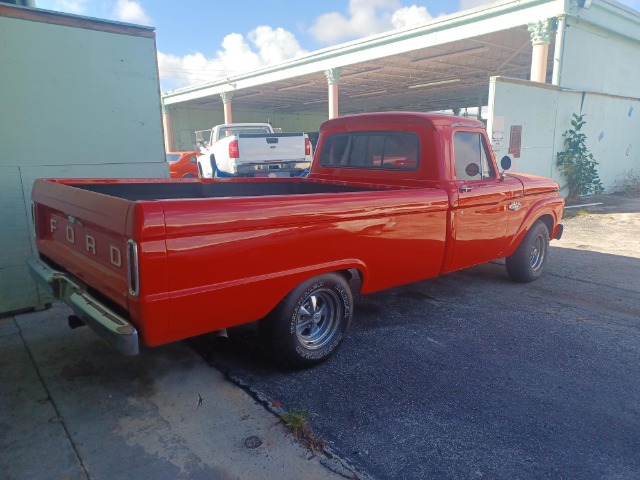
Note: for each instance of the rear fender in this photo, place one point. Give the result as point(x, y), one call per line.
point(549, 210)
point(344, 268)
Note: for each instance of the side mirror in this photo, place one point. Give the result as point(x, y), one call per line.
point(472, 170)
point(505, 162)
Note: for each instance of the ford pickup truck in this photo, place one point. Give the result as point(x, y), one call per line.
point(391, 198)
point(251, 150)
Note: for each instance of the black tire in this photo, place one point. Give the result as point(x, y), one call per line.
point(528, 261)
point(309, 324)
point(189, 175)
point(214, 166)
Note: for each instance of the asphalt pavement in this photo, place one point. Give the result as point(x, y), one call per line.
point(466, 376)
point(473, 376)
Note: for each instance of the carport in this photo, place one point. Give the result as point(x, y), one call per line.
point(444, 64)
point(531, 63)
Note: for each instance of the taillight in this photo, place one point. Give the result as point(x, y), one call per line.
point(132, 268)
point(233, 149)
point(307, 147)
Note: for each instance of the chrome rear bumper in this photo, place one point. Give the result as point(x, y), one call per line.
point(292, 167)
point(113, 328)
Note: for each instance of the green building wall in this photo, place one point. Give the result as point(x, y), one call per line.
point(78, 98)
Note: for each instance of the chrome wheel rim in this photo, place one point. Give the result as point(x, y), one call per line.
point(538, 252)
point(317, 318)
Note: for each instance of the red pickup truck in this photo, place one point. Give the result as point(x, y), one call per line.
point(391, 197)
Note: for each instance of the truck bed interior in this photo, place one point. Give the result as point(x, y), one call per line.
point(179, 190)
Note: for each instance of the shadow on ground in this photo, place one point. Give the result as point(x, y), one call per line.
point(472, 376)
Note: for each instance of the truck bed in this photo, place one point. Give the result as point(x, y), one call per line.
point(216, 253)
point(166, 190)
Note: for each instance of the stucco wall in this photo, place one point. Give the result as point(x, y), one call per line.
point(599, 60)
point(544, 112)
point(75, 101)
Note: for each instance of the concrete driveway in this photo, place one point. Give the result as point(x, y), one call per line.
point(473, 376)
point(71, 407)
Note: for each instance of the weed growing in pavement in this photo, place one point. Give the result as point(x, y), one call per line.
point(573, 213)
point(298, 422)
point(628, 184)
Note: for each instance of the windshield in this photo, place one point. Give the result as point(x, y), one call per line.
point(173, 157)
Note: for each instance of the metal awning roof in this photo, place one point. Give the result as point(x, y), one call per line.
point(455, 75)
point(443, 64)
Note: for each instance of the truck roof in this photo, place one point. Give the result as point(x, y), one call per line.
point(433, 119)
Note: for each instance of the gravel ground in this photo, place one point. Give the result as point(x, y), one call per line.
point(611, 227)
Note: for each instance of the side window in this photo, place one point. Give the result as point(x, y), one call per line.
point(471, 157)
point(375, 150)
point(193, 159)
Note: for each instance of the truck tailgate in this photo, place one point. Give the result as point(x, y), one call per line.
point(264, 147)
point(85, 233)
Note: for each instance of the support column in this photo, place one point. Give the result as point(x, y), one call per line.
point(558, 54)
point(333, 77)
point(226, 102)
point(540, 39)
point(167, 129)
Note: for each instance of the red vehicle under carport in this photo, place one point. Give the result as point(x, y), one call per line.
point(183, 164)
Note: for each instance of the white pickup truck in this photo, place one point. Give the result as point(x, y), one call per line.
point(251, 150)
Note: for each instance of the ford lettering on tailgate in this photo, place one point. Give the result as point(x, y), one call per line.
point(72, 231)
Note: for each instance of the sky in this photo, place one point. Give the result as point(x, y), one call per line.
point(200, 41)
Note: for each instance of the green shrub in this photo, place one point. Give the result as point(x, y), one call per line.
point(576, 164)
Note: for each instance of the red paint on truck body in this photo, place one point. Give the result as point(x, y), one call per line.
point(211, 262)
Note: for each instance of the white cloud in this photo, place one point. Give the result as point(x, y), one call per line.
point(263, 46)
point(366, 17)
point(409, 16)
point(130, 11)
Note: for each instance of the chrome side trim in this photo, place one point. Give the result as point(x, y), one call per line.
point(113, 328)
point(465, 124)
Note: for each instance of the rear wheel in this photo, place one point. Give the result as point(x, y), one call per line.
point(189, 175)
point(309, 324)
point(528, 261)
point(214, 166)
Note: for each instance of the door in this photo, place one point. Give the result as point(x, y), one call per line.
point(481, 212)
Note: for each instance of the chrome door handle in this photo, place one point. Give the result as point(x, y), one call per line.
point(464, 189)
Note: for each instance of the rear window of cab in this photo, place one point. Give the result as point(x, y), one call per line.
point(372, 150)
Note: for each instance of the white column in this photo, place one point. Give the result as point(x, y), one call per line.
point(333, 77)
point(558, 54)
point(167, 129)
point(540, 39)
point(226, 102)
